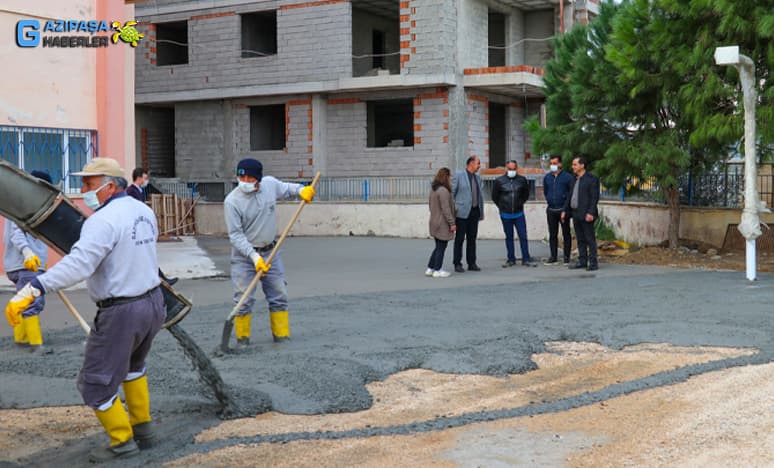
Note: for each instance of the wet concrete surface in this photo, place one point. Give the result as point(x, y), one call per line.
point(361, 310)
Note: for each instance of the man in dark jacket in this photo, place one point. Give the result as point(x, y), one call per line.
point(139, 184)
point(509, 193)
point(556, 188)
point(582, 207)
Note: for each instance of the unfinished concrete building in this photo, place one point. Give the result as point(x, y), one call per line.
point(346, 87)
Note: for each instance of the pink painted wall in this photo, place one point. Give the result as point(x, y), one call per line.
point(70, 88)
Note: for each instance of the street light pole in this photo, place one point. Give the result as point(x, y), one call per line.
point(750, 227)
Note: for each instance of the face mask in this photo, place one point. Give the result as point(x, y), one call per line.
point(144, 184)
point(247, 187)
point(90, 198)
point(511, 174)
point(554, 167)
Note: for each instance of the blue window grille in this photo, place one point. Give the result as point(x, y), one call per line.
point(54, 150)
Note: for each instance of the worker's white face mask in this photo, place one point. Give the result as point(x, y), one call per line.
point(144, 184)
point(90, 198)
point(247, 187)
point(554, 167)
point(511, 174)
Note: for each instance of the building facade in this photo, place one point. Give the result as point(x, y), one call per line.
point(345, 87)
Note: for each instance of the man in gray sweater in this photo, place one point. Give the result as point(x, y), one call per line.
point(251, 219)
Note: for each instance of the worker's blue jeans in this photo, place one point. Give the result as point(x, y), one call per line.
point(520, 224)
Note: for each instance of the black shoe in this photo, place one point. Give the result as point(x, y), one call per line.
point(592, 267)
point(566, 261)
point(143, 435)
point(530, 262)
point(473, 267)
point(577, 266)
point(106, 454)
point(459, 269)
point(509, 263)
point(551, 261)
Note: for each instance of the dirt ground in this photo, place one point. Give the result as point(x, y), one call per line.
point(679, 425)
point(690, 255)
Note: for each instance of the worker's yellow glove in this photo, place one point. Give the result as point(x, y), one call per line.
point(260, 265)
point(307, 193)
point(19, 303)
point(31, 261)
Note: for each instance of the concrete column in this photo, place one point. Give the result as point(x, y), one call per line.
point(458, 127)
point(514, 32)
point(319, 134)
point(228, 163)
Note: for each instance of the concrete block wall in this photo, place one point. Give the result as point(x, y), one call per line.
point(538, 24)
point(427, 36)
point(348, 154)
point(478, 127)
point(199, 140)
point(313, 44)
point(296, 159)
point(298, 135)
point(514, 32)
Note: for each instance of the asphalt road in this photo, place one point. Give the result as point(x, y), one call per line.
point(361, 309)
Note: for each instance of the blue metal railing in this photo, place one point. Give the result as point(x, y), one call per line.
point(335, 189)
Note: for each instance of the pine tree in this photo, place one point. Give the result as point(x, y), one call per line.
point(637, 90)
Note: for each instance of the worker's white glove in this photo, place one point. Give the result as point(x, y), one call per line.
point(260, 265)
point(31, 261)
point(19, 303)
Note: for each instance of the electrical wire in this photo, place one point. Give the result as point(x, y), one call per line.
point(526, 39)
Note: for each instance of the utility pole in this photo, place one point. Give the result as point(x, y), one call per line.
point(750, 227)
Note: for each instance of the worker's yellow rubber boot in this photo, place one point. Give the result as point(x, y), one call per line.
point(32, 329)
point(242, 325)
point(138, 402)
point(20, 335)
point(116, 424)
point(280, 325)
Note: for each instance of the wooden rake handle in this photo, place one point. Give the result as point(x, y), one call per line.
point(73, 311)
point(274, 251)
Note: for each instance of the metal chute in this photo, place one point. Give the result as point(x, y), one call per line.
point(45, 212)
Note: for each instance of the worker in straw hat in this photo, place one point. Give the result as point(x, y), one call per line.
point(116, 255)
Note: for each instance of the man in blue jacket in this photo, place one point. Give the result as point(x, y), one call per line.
point(469, 201)
point(556, 188)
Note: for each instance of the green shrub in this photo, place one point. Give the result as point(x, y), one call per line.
point(603, 230)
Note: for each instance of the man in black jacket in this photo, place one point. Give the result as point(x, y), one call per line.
point(581, 205)
point(557, 186)
point(509, 193)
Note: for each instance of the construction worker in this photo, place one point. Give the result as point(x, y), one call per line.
point(25, 258)
point(116, 255)
point(251, 219)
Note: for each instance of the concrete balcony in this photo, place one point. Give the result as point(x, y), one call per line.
point(514, 80)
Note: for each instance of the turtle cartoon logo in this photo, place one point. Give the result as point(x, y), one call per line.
point(127, 33)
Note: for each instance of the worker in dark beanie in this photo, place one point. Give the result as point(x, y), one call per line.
point(251, 219)
point(42, 176)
